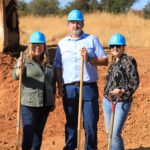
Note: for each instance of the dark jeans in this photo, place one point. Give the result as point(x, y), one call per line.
point(33, 123)
point(90, 109)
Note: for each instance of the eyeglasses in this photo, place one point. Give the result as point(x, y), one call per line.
point(117, 46)
point(37, 44)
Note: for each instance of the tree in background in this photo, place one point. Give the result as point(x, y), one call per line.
point(44, 7)
point(112, 6)
point(147, 11)
point(78, 4)
point(116, 6)
point(95, 6)
point(22, 8)
point(84, 5)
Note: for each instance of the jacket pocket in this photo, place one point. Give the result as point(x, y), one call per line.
point(30, 96)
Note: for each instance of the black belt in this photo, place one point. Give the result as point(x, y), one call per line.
point(84, 83)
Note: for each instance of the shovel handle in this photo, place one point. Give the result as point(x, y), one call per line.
point(114, 103)
point(80, 104)
point(112, 119)
point(18, 106)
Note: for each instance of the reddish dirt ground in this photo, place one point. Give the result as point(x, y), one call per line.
point(136, 132)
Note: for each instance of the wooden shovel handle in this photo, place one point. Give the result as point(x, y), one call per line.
point(112, 119)
point(18, 106)
point(80, 104)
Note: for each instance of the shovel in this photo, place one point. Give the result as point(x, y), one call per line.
point(112, 119)
point(80, 105)
point(18, 106)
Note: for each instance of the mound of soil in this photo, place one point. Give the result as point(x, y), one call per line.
point(136, 132)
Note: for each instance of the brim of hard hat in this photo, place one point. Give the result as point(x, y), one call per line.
point(37, 42)
point(75, 20)
point(118, 44)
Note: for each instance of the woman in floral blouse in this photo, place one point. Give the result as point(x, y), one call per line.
point(122, 79)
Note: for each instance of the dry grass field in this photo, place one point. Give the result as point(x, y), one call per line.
point(103, 25)
point(136, 133)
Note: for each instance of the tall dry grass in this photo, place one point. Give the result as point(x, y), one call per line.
point(136, 29)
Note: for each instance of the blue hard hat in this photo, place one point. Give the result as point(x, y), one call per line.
point(117, 39)
point(75, 15)
point(37, 37)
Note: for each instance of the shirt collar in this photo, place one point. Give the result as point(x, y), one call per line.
point(83, 35)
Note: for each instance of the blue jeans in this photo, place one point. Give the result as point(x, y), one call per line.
point(33, 123)
point(90, 109)
point(121, 112)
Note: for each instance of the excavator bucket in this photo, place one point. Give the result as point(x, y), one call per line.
point(9, 26)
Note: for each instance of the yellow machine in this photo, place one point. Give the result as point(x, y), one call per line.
point(9, 26)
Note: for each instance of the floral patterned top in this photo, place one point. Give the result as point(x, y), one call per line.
point(122, 75)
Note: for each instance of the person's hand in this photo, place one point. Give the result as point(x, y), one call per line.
point(20, 63)
point(117, 91)
point(84, 53)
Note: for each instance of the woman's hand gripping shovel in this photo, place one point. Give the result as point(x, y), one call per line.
point(18, 106)
point(112, 119)
point(80, 103)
